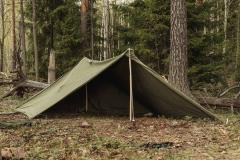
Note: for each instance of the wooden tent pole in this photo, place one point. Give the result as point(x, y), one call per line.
point(131, 112)
point(86, 98)
point(133, 117)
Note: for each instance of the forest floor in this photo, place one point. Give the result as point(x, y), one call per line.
point(117, 138)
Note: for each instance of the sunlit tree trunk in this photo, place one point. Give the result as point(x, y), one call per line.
point(178, 48)
point(237, 71)
point(92, 31)
point(35, 40)
point(22, 33)
point(106, 23)
point(2, 41)
point(51, 68)
point(14, 45)
point(84, 12)
point(226, 3)
point(102, 36)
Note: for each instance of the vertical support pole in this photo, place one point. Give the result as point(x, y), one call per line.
point(86, 98)
point(133, 117)
point(131, 110)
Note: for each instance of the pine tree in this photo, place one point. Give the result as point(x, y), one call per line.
point(36, 61)
point(22, 36)
point(178, 50)
point(14, 43)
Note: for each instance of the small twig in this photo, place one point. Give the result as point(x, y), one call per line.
point(229, 89)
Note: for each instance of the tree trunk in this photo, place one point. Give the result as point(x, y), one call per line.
point(22, 36)
point(51, 68)
point(84, 10)
point(106, 20)
point(178, 48)
point(102, 36)
point(113, 18)
point(120, 24)
point(92, 30)
point(237, 71)
point(35, 40)
point(225, 25)
point(2, 42)
point(14, 47)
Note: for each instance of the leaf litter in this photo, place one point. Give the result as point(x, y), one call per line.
point(101, 137)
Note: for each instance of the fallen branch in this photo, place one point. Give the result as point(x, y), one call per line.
point(229, 89)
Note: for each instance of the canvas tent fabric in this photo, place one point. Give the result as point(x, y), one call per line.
point(104, 87)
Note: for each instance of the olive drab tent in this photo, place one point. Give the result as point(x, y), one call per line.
point(122, 85)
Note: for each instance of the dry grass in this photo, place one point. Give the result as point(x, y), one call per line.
point(117, 138)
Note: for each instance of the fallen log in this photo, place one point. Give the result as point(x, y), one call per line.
point(25, 84)
point(219, 102)
point(34, 84)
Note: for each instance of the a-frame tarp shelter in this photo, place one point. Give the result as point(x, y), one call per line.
point(103, 87)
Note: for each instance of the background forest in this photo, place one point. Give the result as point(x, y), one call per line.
point(102, 29)
point(192, 44)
